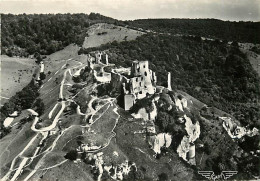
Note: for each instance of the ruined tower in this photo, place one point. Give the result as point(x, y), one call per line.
point(104, 58)
point(98, 57)
point(169, 81)
point(139, 82)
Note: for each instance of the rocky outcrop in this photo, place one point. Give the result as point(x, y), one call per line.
point(235, 131)
point(183, 148)
point(116, 172)
point(142, 113)
point(193, 130)
point(160, 140)
point(8, 121)
point(181, 104)
point(187, 144)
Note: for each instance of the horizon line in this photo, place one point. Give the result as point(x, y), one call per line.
point(237, 21)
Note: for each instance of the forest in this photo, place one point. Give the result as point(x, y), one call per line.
point(210, 28)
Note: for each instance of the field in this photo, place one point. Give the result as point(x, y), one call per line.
point(102, 33)
point(16, 73)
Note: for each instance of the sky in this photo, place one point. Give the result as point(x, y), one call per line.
point(233, 10)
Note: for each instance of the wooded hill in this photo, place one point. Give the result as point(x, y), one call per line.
point(210, 28)
point(24, 35)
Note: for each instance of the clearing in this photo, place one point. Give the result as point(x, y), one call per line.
point(103, 33)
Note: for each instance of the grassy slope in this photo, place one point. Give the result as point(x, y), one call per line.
point(16, 73)
point(253, 57)
point(114, 33)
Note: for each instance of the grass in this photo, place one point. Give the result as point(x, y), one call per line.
point(49, 141)
point(110, 158)
point(51, 159)
point(106, 122)
point(31, 149)
point(17, 162)
point(69, 120)
point(17, 119)
point(46, 121)
point(102, 130)
point(14, 142)
point(114, 33)
point(66, 171)
point(68, 135)
point(100, 112)
point(16, 73)
point(68, 52)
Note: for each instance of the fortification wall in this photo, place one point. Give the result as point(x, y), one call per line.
point(117, 80)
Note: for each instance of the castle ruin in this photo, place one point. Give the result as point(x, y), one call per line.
point(101, 57)
point(133, 83)
point(97, 64)
point(137, 82)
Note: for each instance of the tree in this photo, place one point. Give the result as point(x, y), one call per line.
point(42, 76)
point(71, 155)
point(39, 106)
